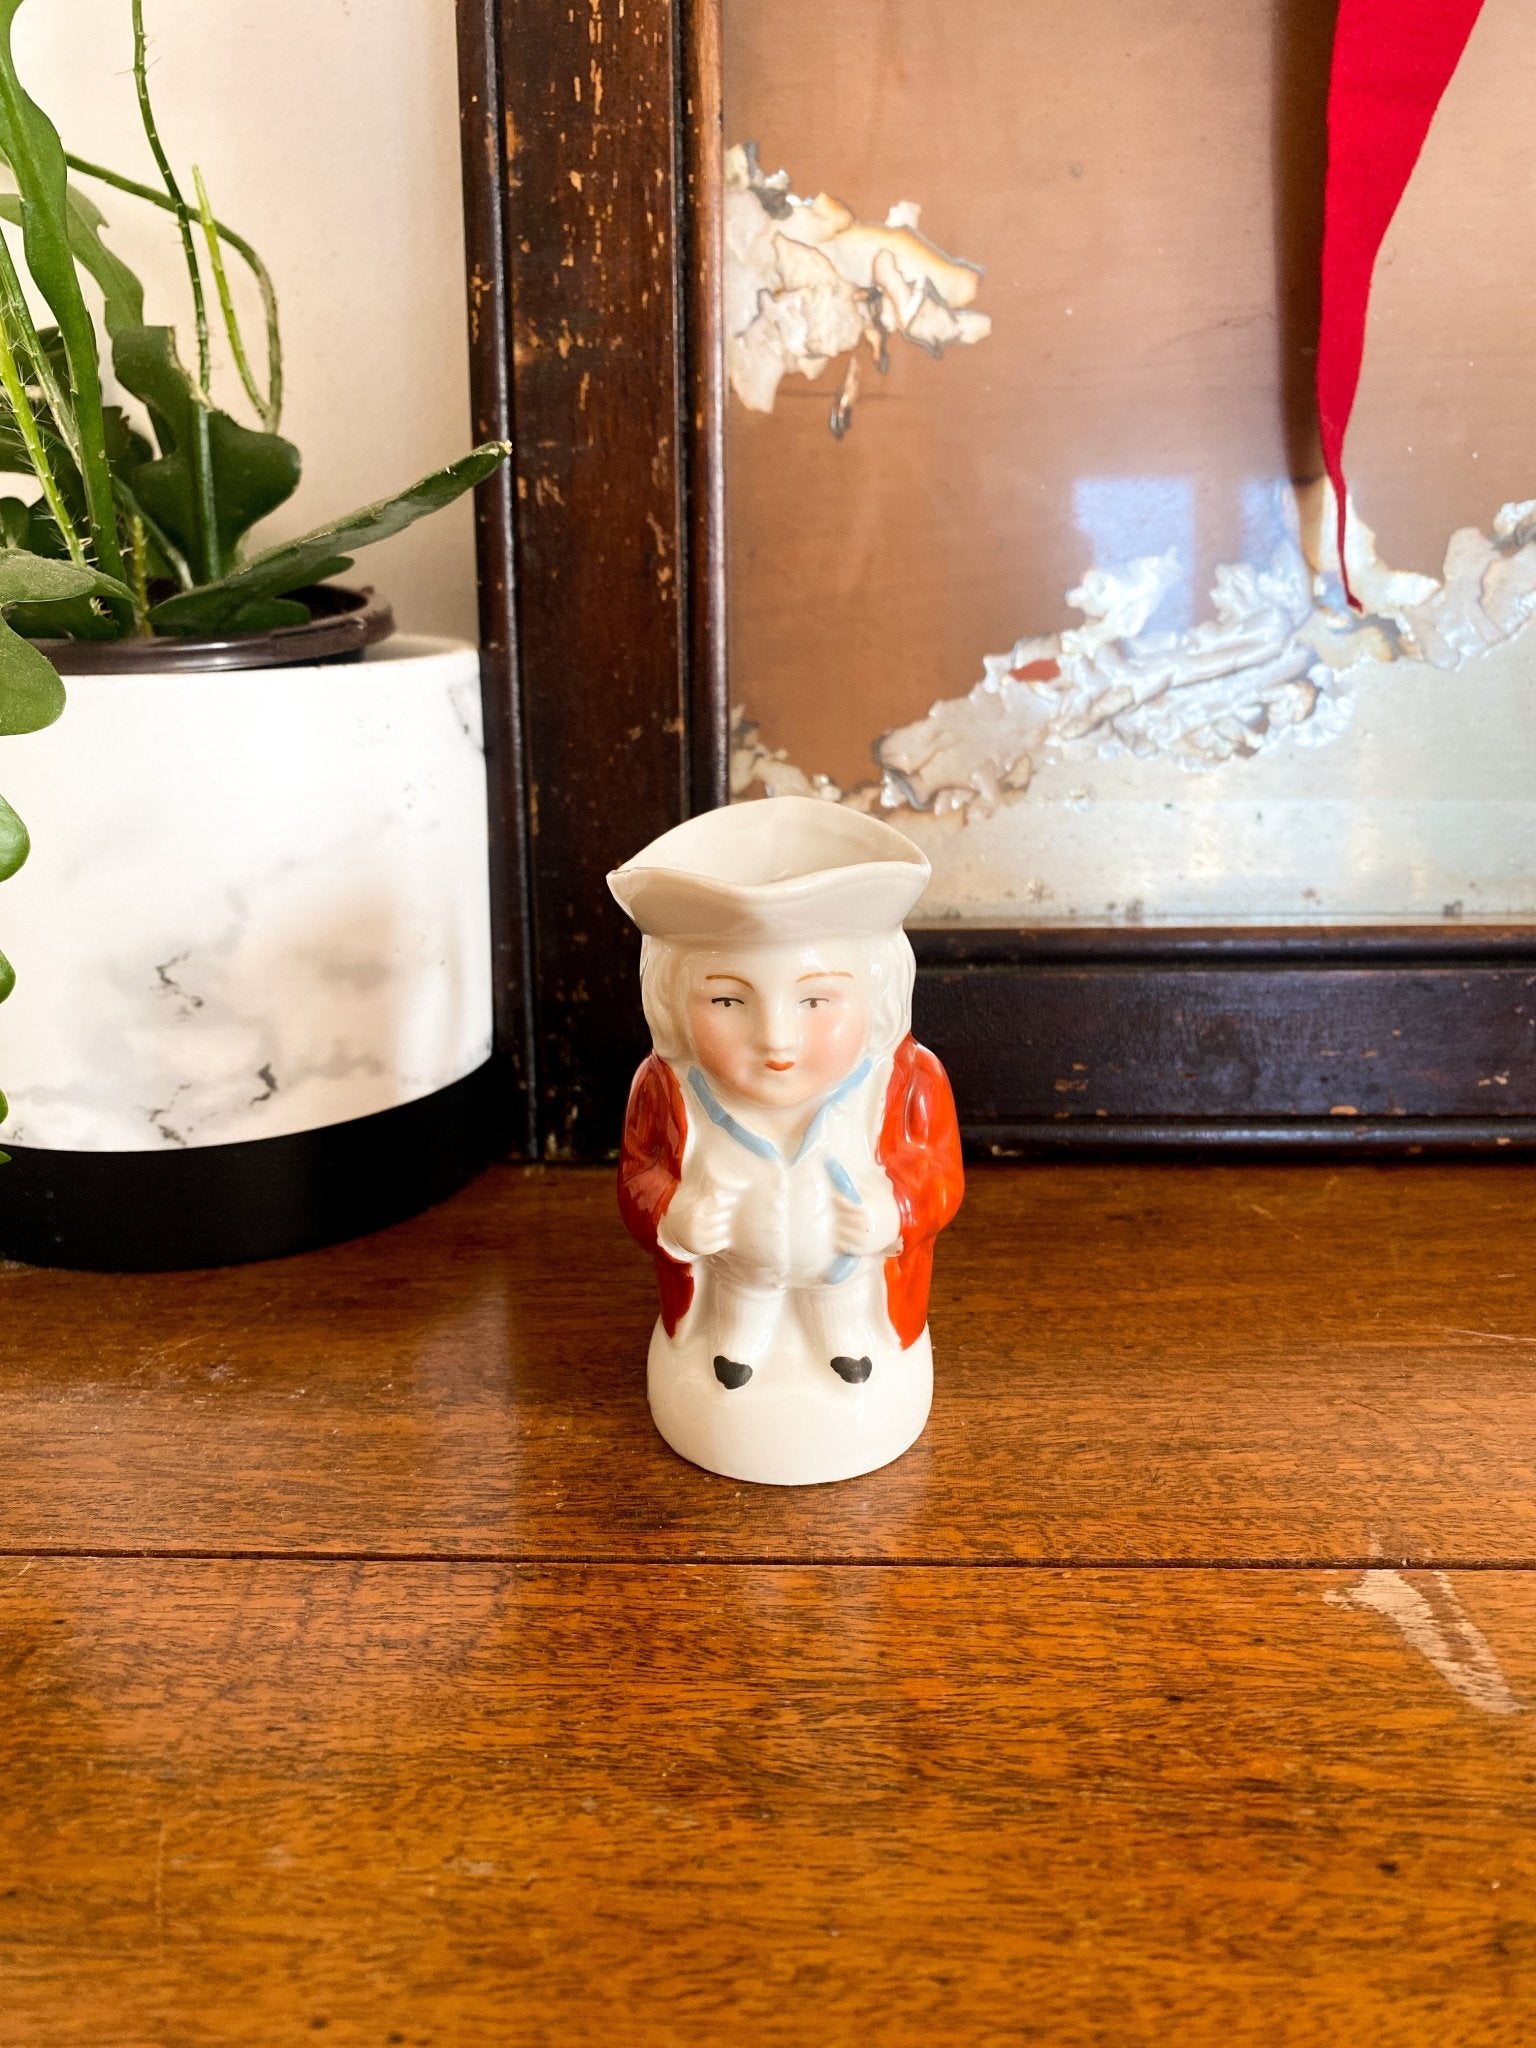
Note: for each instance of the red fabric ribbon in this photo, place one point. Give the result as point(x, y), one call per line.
point(1392, 60)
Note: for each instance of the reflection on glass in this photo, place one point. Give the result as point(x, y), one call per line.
point(1028, 547)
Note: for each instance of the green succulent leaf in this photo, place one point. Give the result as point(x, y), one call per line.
point(15, 844)
point(7, 983)
point(146, 362)
point(216, 607)
point(16, 459)
point(30, 528)
point(266, 614)
point(76, 619)
point(126, 446)
point(30, 144)
point(253, 473)
point(34, 579)
point(122, 291)
point(31, 695)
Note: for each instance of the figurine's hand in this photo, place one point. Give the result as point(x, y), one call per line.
point(701, 1228)
point(714, 1219)
point(862, 1228)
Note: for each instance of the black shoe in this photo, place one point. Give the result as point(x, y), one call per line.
point(730, 1374)
point(854, 1370)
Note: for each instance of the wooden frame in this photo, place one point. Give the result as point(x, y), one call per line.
point(592, 147)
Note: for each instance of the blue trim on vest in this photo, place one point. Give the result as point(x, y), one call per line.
point(844, 1088)
point(718, 1114)
point(845, 1264)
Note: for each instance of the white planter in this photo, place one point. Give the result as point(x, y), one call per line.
point(256, 911)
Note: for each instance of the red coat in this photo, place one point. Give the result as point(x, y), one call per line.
point(919, 1148)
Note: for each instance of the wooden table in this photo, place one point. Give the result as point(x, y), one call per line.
point(372, 1674)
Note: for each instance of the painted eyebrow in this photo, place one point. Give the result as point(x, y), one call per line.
point(829, 974)
point(740, 978)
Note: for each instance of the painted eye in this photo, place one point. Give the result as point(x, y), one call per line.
point(725, 1002)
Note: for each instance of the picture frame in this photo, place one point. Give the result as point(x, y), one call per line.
point(593, 149)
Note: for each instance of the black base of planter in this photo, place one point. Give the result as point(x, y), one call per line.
point(222, 1205)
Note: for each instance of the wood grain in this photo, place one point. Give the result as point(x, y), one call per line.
point(482, 153)
point(702, 249)
point(587, 138)
point(485, 1805)
point(1212, 1363)
point(1232, 1043)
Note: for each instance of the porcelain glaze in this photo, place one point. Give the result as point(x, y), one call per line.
point(790, 1152)
point(256, 904)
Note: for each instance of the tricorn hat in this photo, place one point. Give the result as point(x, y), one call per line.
point(783, 867)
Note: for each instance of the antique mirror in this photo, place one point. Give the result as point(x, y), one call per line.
point(916, 409)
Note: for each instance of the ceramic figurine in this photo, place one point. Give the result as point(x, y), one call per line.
point(790, 1152)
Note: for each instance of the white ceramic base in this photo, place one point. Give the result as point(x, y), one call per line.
point(794, 1423)
point(257, 904)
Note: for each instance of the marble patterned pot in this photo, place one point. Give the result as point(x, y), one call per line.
point(252, 940)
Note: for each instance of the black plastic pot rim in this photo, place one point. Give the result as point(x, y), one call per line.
point(343, 622)
point(260, 1198)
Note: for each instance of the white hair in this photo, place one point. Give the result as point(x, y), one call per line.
point(889, 971)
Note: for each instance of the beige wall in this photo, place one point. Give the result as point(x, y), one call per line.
point(327, 131)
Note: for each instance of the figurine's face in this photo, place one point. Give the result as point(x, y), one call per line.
point(779, 1025)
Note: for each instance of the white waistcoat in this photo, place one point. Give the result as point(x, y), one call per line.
point(782, 1235)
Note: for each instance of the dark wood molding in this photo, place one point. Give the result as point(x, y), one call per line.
point(1278, 1138)
point(1144, 945)
point(588, 268)
point(702, 248)
point(1344, 1050)
point(481, 145)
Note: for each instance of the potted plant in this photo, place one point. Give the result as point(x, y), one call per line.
point(255, 1008)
